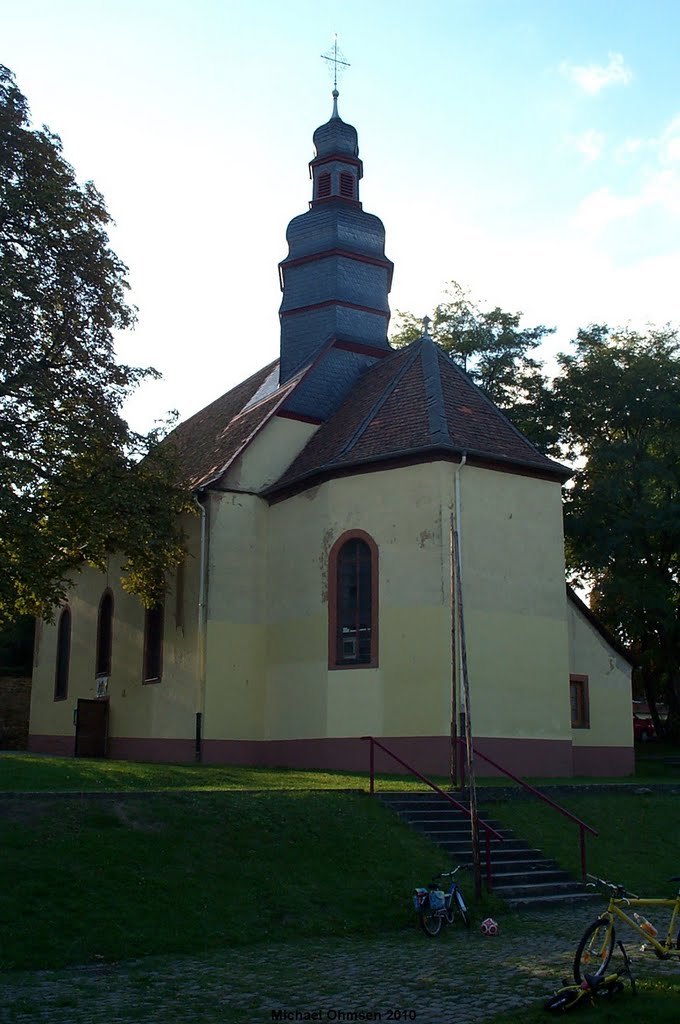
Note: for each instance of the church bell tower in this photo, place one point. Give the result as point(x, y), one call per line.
point(336, 278)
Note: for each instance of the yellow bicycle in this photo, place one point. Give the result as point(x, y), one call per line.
point(597, 942)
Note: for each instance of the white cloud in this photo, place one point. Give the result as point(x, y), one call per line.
point(628, 149)
point(603, 207)
point(589, 145)
point(592, 78)
point(669, 143)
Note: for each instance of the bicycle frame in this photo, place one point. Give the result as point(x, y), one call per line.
point(662, 949)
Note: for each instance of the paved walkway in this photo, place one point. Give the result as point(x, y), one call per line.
point(459, 977)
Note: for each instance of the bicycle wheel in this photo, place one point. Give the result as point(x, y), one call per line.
point(564, 1000)
point(595, 949)
point(430, 921)
point(462, 909)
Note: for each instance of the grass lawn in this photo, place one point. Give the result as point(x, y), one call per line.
point(115, 877)
point(259, 855)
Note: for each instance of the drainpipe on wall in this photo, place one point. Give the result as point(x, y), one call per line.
point(199, 499)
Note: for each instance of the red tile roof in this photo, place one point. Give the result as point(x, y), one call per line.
point(413, 403)
point(208, 442)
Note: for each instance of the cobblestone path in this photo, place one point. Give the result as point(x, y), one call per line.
point(459, 977)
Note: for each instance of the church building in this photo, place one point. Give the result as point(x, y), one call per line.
point(321, 595)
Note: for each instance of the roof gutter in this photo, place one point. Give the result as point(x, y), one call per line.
point(421, 453)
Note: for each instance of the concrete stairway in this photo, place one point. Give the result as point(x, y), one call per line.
point(520, 875)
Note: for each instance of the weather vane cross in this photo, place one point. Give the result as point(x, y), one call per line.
point(335, 57)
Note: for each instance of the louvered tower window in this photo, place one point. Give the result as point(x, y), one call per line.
point(324, 186)
point(346, 185)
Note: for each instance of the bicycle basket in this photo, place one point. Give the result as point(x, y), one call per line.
point(437, 899)
point(420, 899)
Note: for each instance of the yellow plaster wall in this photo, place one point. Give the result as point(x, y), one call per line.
point(236, 661)
point(609, 685)
point(409, 691)
point(269, 454)
point(165, 709)
point(268, 632)
point(514, 604)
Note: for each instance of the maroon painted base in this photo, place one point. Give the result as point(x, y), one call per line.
point(604, 760)
point(430, 755)
point(58, 746)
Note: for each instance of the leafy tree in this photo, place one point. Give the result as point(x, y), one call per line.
point(75, 482)
point(495, 350)
point(619, 395)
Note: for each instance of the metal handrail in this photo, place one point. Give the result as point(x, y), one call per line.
point(489, 830)
point(583, 827)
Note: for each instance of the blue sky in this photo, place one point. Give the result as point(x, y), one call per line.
point(529, 150)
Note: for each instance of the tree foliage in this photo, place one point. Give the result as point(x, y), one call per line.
point(495, 350)
point(619, 397)
point(75, 482)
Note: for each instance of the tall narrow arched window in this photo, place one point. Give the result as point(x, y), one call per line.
point(153, 643)
point(353, 602)
point(104, 634)
point(63, 655)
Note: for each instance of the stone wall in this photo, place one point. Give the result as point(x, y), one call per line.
point(15, 706)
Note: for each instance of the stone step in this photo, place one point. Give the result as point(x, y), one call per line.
point(530, 870)
point(539, 890)
point(510, 850)
point(554, 900)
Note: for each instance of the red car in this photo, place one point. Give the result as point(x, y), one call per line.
point(643, 729)
point(643, 726)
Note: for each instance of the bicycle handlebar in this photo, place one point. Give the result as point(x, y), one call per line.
point(618, 890)
point(448, 874)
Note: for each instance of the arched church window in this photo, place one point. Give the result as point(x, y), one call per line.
point(104, 634)
point(353, 602)
point(324, 186)
point(63, 655)
point(346, 185)
point(153, 643)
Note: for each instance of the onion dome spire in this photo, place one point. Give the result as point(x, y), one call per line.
point(336, 277)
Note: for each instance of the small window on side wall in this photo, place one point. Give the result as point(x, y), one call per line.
point(153, 643)
point(578, 696)
point(353, 602)
point(63, 655)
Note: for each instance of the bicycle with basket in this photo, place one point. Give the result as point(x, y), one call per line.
point(437, 908)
